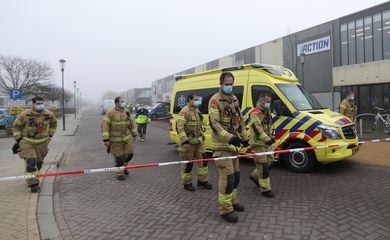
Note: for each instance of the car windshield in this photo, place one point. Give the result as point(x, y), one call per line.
point(299, 97)
point(156, 106)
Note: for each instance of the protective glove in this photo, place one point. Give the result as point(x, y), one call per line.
point(270, 142)
point(235, 141)
point(106, 143)
point(15, 147)
point(245, 143)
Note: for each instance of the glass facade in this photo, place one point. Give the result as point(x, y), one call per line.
point(368, 47)
point(359, 41)
point(377, 28)
point(369, 96)
point(386, 34)
point(351, 43)
point(365, 39)
point(344, 44)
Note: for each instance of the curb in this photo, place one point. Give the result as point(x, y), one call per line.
point(48, 227)
point(72, 133)
point(32, 221)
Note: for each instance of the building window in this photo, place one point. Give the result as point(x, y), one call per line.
point(344, 44)
point(377, 28)
point(386, 34)
point(359, 41)
point(352, 43)
point(368, 39)
point(386, 95)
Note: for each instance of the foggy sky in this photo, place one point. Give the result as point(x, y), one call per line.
point(122, 44)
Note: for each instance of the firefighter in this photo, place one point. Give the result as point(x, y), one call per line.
point(118, 134)
point(348, 107)
point(228, 134)
point(142, 119)
point(33, 130)
point(261, 140)
point(190, 130)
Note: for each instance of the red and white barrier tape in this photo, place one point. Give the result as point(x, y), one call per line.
point(150, 165)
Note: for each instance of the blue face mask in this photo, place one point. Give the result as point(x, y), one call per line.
point(227, 89)
point(122, 105)
point(198, 102)
point(39, 107)
point(267, 106)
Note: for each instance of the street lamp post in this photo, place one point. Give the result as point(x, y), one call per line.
point(62, 65)
point(80, 101)
point(74, 99)
point(302, 60)
point(78, 97)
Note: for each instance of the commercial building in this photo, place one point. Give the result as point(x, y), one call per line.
point(138, 95)
point(348, 53)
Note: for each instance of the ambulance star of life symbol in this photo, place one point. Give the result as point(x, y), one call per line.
point(181, 101)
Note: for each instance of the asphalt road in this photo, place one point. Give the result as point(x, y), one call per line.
point(337, 201)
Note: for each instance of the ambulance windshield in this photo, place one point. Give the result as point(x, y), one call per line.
point(299, 97)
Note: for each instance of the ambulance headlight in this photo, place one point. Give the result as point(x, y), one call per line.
point(330, 132)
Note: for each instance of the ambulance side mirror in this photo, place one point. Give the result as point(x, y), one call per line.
point(280, 108)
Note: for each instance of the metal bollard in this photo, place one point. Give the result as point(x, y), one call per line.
point(361, 127)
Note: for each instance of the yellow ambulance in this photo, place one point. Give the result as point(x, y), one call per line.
point(298, 120)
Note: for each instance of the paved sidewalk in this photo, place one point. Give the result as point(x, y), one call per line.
point(373, 153)
point(18, 207)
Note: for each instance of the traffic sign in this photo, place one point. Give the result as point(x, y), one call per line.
point(16, 94)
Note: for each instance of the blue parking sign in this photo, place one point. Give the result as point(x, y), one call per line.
point(16, 94)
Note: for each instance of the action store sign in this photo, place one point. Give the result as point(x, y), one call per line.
point(314, 46)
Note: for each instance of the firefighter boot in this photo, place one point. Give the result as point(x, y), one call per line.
point(230, 217)
point(189, 187)
point(267, 194)
point(238, 207)
point(35, 188)
point(206, 185)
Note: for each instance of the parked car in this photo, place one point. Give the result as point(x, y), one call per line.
point(160, 111)
point(6, 119)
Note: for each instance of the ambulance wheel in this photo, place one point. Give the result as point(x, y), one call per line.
point(300, 161)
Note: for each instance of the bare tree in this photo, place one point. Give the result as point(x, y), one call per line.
point(25, 74)
point(67, 96)
point(48, 91)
